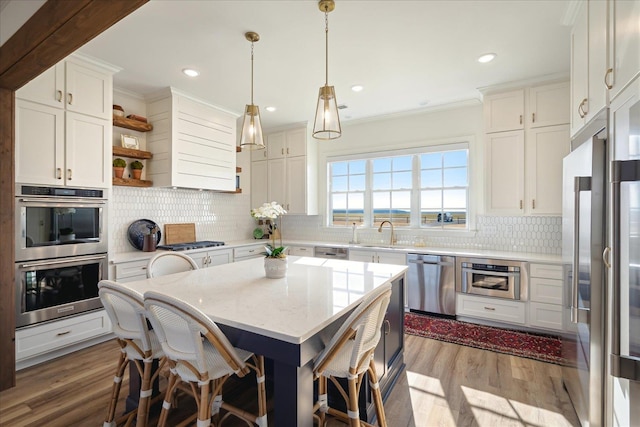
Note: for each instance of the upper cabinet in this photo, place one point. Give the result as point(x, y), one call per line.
point(624, 44)
point(524, 163)
point(63, 126)
point(193, 143)
point(287, 170)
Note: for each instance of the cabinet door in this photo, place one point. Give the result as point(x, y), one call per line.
point(625, 43)
point(88, 151)
point(258, 155)
point(504, 111)
point(296, 185)
point(296, 140)
point(276, 145)
point(505, 172)
point(546, 147)
point(597, 57)
point(47, 88)
point(39, 144)
point(549, 105)
point(579, 69)
point(361, 255)
point(391, 258)
point(277, 181)
point(259, 183)
point(220, 257)
point(89, 91)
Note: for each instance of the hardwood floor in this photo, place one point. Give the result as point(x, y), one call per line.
point(443, 385)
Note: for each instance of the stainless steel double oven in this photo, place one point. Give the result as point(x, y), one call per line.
point(61, 251)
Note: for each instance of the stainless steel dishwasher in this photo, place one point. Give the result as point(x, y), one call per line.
point(431, 283)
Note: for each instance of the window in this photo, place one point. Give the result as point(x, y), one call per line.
point(414, 189)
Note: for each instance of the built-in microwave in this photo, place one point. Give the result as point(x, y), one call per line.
point(54, 222)
point(492, 278)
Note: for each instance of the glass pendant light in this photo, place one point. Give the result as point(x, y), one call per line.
point(251, 134)
point(327, 122)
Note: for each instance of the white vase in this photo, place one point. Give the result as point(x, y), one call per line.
point(275, 268)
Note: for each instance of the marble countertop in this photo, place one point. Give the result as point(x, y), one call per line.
point(314, 293)
point(477, 253)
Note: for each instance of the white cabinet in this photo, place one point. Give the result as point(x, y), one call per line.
point(210, 258)
point(545, 296)
point(131, 271)
point(45, 341)
point(300, 250)
point(524, 166)
point(63, 127)
point(624, 44)
point(504, 111)
point(193, 143)
point(248, 252)
point(382, 257)
point(288, 169)
point(495, 309)
point(589, 63)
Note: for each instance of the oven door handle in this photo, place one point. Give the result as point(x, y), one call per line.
point(491, 273)
point(66, 261)
point(74, 200)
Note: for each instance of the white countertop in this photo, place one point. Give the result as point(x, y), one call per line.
point(314, 293)
point(478, 253)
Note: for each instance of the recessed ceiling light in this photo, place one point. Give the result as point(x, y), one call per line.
point(191, 72)
point(357, 88)
point(487, 57)
point(423, 102)
point(271, 109)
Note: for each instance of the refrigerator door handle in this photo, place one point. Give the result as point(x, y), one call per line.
point(578, 315)
point(622, 366)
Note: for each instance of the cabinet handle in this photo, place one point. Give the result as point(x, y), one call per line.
point(58, 173)
point(605, 257)
point(581, 110)
point(520, 118)
point(59, 97)
point(70, 98)
point(59, 334)
point(490, 308)
point(533, 204)
point(387, 327)
point(520, 203)
point(533, 117)
point(287, 150)
point(606, 78)
point(69, 175)
point(282, 151)
point(378, 259)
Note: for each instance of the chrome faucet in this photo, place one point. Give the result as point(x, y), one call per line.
point(392, 238)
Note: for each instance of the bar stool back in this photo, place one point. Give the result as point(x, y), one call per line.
point(125, 309)
point(168, 263)
point(200, 354)
point(349, 355)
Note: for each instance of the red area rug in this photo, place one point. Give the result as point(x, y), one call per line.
point(545, 348)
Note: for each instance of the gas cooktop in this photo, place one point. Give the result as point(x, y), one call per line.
point(190, 245)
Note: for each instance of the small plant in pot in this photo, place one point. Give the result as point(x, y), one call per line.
point(136, 169)
point(118, 167)
point(67, 234)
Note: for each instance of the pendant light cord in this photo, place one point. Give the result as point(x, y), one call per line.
point(326, 46)
point(251, 73)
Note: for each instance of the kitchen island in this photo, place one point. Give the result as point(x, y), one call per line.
point(290, 320)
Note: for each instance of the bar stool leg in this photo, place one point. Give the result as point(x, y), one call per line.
point(145, 394)
point(352, 406)
point(377, 396)
point(115, 390)
point(166, 404)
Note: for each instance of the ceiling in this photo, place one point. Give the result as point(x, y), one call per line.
point(408, 55)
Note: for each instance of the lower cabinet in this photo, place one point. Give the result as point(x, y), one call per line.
point(366, 255)
point(301, 250)
point(248, 252)
point(38, 343)
point(209, 258)
point(494, 309)
point(545, 294)
point(131, 271)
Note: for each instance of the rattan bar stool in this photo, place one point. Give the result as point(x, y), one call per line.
point(138, 344)
point(349, 355)
point(200, 354)
point(168, 263)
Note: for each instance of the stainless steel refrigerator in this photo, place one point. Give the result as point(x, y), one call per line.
point(583, 242)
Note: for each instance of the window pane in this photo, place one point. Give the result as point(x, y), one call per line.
point(456, 177)
point(357, 166)
point(402, 163)
point(431, 178)
point(381, 181)
point(431, 160)
point(431, 199)
point(339, 168)
point(401, 180)
point(381, 200)
point(455, 158)
point(455, 199)
point(382, 165)
point(339, 183)
point(356, 202)
point(339, 201)
point(357, 183)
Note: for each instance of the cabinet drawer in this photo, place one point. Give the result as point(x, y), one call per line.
point(128, 271)
point(545, 290)
point(546, 316)
point(301, 250)
point(548, 271)
point(490, 308)
point(248, 251)
point(51, 336)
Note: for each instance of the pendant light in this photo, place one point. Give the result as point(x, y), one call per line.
point(327, 122)
point(251, 134)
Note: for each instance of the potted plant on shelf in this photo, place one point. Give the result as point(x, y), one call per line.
point(275, 261)
point(136, 169)
point(118, 167)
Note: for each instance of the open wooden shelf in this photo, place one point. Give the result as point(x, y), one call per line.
point(131, 153)
point(137, 125)
point(127, 182)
